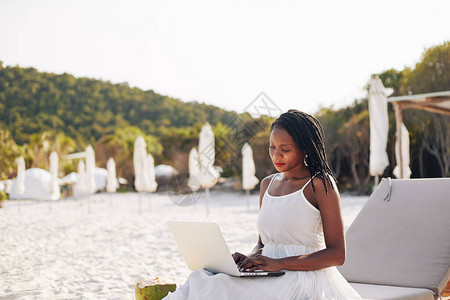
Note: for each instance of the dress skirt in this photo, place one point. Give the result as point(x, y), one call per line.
point(326, 284)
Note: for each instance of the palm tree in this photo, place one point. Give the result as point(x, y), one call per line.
point(38, 150)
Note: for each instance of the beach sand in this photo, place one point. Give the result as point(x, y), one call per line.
point(99, 247)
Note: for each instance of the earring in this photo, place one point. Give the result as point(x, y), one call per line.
point(304, 160)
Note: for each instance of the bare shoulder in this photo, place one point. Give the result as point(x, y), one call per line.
point(265, 183)
point(325, 189)
point(267, 179)
point(263, 187)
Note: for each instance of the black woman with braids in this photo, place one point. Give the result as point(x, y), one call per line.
point(299, 223)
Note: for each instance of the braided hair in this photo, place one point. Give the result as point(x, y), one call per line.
point(308, 134)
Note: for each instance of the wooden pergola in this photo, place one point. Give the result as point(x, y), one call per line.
point(438, 102)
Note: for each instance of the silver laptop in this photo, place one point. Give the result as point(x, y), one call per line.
point(203, 247)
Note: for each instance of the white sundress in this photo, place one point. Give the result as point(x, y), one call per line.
point(289, 226)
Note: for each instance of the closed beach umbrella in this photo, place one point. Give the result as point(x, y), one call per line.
point(379, 126)
point(404, 153)
point(111, 180)
point(90, 170)
point(18, 187)
point(208, 175)
point(80, 186)
point(140, 163)
point(55, 192)
point(249, 180)
point(194, 170)
point(151, 173)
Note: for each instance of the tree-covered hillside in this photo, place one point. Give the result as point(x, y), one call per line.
point(87, 109)
point(43, 112)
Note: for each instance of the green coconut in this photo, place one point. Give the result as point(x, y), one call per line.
point(153, 289)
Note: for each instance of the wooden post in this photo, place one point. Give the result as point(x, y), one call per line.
point(446, 291)
point(398, 129)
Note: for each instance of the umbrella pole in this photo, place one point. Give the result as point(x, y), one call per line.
point(150, 203)
point(207, 201)
point(193, 200)
point(139, 203)
point(377, 179)
point(247, 194)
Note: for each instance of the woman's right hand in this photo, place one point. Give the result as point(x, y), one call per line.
point(241, 259)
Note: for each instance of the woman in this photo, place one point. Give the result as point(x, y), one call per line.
point(299, 223)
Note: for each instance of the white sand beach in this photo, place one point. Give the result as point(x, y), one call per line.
point(99, 247)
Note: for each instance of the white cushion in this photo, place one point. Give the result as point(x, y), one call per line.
point(401, 237)
point(384, 292)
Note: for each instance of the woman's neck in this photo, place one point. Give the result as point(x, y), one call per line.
point(296, 174)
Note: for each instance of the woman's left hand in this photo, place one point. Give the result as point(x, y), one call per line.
point(259, 262)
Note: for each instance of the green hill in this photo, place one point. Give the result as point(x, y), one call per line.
point(43, 112)
point(87, 109)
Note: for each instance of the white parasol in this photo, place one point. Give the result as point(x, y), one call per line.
point(194, 170)
point(90, 170)
point(151, 173)
point(249, 180)
point(379, 126)
point(208, 175)
point(80, 186)
point(140, 162)
point(405, 155)
point(111, 180)
point(18, 187)
point(55, 192)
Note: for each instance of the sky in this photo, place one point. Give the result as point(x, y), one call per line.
point(302, 54)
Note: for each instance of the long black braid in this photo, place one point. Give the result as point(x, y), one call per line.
point(308, 134)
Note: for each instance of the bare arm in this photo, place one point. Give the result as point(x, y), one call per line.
point(332, 255)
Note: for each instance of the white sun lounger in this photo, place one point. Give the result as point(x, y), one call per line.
point(398, 247)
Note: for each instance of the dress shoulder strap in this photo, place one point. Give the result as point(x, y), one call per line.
point(309, 180)
point(332, 182)
point(271, 180)
point(270, 183)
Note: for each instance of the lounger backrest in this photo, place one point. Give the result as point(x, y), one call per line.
point(401, 237)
